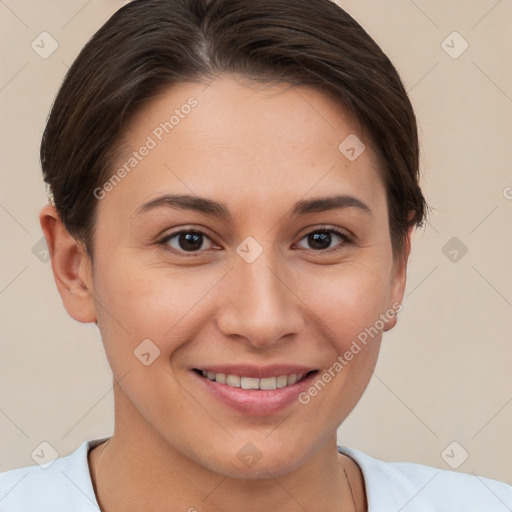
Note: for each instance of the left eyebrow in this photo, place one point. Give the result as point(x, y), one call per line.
point(220, 210)
point(323, 204)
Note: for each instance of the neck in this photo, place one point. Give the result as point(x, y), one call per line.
point(137, 469)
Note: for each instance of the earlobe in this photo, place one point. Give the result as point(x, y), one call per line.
point(71, 266)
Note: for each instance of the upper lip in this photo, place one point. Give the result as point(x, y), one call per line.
point(257, 372)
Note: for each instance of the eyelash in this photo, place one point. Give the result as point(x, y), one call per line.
point(322, 229)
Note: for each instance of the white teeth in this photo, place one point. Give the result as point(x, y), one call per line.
point(249, 383)
point(282, 381)
point(267, 383)
point(233, 380)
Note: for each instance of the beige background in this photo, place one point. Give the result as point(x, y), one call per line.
point(444, 371)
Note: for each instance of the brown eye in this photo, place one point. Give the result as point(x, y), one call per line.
point(321, 239)
point(187, 241)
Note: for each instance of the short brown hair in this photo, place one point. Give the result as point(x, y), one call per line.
point(148, 45)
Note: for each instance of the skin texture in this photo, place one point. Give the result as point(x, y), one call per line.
point(258, 149)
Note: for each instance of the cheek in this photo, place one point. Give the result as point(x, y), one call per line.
point(348, 300)
point(155, 303)
point(347, 306)
point(139, 319)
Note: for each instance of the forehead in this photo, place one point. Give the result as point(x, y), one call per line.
point(246, 141)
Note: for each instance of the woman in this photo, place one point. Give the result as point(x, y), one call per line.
point(234, 184)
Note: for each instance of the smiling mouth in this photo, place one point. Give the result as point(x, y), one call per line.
point(265, 384)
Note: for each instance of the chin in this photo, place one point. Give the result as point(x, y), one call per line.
point(248, 462)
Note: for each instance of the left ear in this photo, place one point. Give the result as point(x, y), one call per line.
point(398, 281)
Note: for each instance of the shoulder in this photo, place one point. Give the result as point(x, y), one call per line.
point(61, 486)
point(409, 487)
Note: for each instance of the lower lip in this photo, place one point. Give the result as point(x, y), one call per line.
point(256, 402)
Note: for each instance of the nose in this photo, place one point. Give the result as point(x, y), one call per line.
point(261, 303)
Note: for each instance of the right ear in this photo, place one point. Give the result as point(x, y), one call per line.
point(71, 265)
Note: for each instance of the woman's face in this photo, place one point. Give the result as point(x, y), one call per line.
point(261, 287)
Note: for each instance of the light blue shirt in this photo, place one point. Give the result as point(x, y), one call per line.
point(65, 486)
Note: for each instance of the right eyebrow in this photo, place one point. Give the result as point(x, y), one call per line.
point(187, 202)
